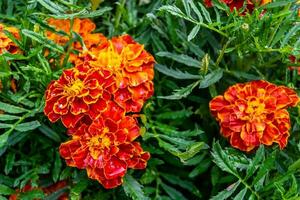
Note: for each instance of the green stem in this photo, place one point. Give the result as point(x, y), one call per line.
point(119, 13)
point(278, 25)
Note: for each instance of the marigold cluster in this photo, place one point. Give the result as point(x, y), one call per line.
point(239, 4)
point(111, 79)
point(254, 113)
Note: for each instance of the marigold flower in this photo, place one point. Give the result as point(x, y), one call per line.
point(84, 27)
point(254, 113)
point(106, 149)
point(132, 67)
point(6, 44)
point(79, 91)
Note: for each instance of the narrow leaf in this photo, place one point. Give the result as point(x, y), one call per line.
point(133, 189)
point(175, 73)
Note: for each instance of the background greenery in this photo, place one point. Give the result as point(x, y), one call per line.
point(199, 53)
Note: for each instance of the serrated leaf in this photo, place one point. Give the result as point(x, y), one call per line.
point(264, 168)
point(7, 108)
point(191, 151)
point(27, 126)
point(222, 160)
point(255, 162)
point(211, 78)
point(175, 73)
point(133, 189)
point(56, 167)
point(3, 139)
point(227, 192)
point(181, 93)
point(83, 14)
point(181, 58)
point(194, 32)
point(241, 194)
point(173, 193)
point(4, 117)
point(173, 10)
point(196, 10)
point(5, 190)
point(51, 6)
point(49, 133)
point(9, 162)
point(205, 13)
point(43, 40)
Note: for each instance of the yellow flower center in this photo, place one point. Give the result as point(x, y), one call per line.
point(74, 89)
point(98, 143)
point(110, 58)
point(254, 107)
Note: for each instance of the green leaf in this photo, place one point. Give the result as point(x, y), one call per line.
point(194, 32)
point(51, 6)
point(43, 40)
point(10, 159)
point(83, 14)
point(133, 189)
point(196, 10)
point(264, 168)
point(49, 133)
point(4, 117)
point(255, 162)
point(173, 193)
point(191, 151)
point(211, 78)
point(27, 126)
point(181, 58)
point(175, 73)
point(205, 13)
point(34, 194)
point(295, 166)
point(7, 108)
point(181, 93)
point(5, 190)
point(222, 160)
point(241, 194)
point(227, 192)
point(57, 167)
point(78, 189)
point(173, 10)
point(175, 114)
point(3, 139)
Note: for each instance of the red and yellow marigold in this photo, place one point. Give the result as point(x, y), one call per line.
point(106, 149)
point(131, 66)
point(6, 44)
point(78, 92)
point(238, 4)
point(254, 113)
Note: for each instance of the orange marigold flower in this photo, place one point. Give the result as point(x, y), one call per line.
point(106, 148)
point(254, 113)
point(132, 67)
point(6, 44)
point(84, 27)
point(79, 91)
